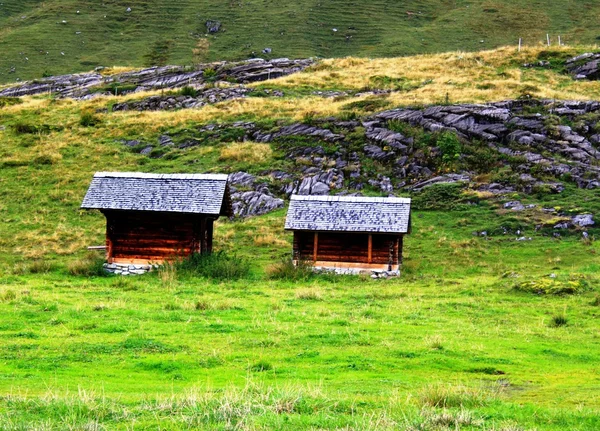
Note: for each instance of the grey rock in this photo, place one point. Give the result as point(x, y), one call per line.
point(583, 220)
point(165, 140)
point(147, 150)
point(254, 203)
point(213, 26)
point(514, 205)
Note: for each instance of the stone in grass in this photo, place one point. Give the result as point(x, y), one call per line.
point(514, 205)
point(583, 220)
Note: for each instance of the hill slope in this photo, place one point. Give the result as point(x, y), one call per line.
point(62, 36)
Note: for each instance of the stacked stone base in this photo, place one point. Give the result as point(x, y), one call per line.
point(128, 269)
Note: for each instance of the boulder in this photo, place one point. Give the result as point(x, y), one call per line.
point(583, 220)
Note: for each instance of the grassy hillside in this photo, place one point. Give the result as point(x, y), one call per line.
point(64, 36)
point(479, 333)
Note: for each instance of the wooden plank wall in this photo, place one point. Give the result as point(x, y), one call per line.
point(155, 236)
point(347, 247)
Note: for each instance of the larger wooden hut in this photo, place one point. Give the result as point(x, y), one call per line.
point(151, 218)
point(349, 233)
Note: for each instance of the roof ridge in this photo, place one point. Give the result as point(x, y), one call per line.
point(149, 175)
point(355, 199)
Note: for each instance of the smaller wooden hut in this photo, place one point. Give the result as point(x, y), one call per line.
point(349, 234)
point(151, 218)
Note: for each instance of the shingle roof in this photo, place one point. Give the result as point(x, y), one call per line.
point(182, 193)
point(349, 214)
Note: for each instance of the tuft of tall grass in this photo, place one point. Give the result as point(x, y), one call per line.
point(309, 295)
point(287, 270)
point(456, 396)
point(220, 266)
point(249, 152)
point(91, 265)
point(558, 321)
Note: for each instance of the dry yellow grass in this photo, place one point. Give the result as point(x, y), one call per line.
point(250, 152)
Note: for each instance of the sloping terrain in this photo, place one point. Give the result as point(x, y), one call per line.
point(65, 36)
point(491, 326)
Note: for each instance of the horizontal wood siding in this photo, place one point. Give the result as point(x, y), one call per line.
point(152, 236)
point(347, 247)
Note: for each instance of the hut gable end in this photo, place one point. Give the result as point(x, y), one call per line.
point(349, 214)
point(173, 193)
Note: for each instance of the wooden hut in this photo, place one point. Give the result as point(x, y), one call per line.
point(151, 218)
point(349, 234)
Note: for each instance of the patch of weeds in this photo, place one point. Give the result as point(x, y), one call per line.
point(211, 361)
point(8, 295)
point(147, 345)
point(309, 295)
point(50, 308)
point(40, 267)
point(571, 285)
point(220, 266)
point(91, 265)
point(31, 129)
point(455, 396)
point(87, 118)
point(261, 366)
point(100, 307)
point(558, 321)
point(9, 101)
point(434, 342)
point(188, 91)
point(209, 74)
point(286, 269)
point(172, 307)
point(440, 197)
point(491, 371)
point(368, 105)
point(384, 82)
point(596, 301)
point(160, 366)
point(203, 305)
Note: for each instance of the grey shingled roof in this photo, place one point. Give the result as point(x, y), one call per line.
point(182, 193)
point(349, 214)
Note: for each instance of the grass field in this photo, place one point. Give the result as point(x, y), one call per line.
point(66, 36)
point(471, 337)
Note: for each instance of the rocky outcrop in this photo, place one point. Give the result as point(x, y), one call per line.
point(585, 66)
point(172, 102)
point(88, 84)
point(329, 156)
point(250, 197)
point(297, 129)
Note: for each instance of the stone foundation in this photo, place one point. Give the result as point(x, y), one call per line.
point(128, 269)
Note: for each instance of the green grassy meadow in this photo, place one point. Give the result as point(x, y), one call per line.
point(479, 332)
point(65, 36)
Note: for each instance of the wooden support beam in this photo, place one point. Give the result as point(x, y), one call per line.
point(209, 236)
point(370, 250)
point(400, 246)
point(203, 245)
point(315, 246)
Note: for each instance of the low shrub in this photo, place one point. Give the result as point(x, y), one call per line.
point(220, 266)
point(188, 91)
point(91, 265)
